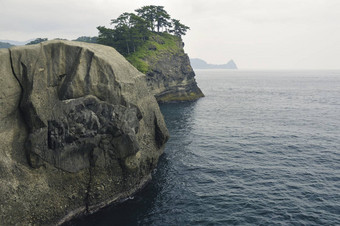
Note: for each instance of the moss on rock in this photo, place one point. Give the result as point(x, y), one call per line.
point(169, 74)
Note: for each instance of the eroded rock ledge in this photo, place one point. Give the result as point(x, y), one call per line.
point(78, 129)
point(172, 78)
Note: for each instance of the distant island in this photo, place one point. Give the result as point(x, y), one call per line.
point(16, 43)
point(5, 45)
point(197, 63)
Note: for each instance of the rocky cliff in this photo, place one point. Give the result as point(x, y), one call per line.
point(78, 130)
point(169, 74)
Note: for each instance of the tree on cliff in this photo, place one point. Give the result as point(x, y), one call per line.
point(148, 14)
point(131, 31)
point(36, 41)
point(178, 28)
point(156, 16)
point(86, 39)
point(162, 18)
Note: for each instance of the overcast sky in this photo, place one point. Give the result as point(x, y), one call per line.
point(256, 34)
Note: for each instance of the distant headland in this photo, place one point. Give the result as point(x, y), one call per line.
point(197, 63)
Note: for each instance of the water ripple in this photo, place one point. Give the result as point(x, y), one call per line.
point(262, 148)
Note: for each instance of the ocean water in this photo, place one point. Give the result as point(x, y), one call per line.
point(262, 148)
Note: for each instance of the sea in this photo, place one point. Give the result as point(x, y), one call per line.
point(261, 148)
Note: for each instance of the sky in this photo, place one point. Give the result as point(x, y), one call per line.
point(256, 34)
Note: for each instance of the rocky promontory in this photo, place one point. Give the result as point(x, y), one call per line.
point(78, 130)
point(169, 74)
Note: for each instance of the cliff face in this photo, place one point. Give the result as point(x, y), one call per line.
point(169, 74)
point(78, 130)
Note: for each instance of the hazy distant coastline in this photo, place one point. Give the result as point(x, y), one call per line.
point(197, 63)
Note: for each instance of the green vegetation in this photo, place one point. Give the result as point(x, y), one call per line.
point(178, 28)
point(36, 41)
point(132, 32)
point(152, 49)
point(86, 39)
point(154, 16)
point(141, 37)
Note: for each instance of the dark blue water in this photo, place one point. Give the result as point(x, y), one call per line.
point(262, 148)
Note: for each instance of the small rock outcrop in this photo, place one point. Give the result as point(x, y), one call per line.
point(78, 130)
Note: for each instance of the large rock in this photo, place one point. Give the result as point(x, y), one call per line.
point(78, 130)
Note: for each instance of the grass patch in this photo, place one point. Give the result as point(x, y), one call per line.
point(153, 49)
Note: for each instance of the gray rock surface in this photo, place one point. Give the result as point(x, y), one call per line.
point(78, 130)
point(171, 77)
